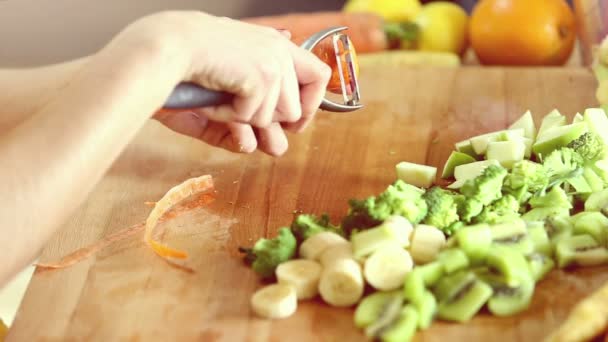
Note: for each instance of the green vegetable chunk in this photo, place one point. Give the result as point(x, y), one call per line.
point(442, 208)
point(482, 190)
point(399, 198)
point(307, 225)
point(267, 254)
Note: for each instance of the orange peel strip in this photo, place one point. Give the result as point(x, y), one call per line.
point(175, 195)
point(83, 253)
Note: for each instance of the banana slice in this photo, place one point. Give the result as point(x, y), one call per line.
point(336, 253)
point(275, 301)
point(427, 241)
point(386, 268)
point(342, 283)
point(314, 246)
point(302, 274)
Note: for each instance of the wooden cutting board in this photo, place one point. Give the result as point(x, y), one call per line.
point(127, 293)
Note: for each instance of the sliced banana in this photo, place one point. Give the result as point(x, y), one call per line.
point(275, 301)
point(335, 253)
point(302, 274)
point(386, 268)
point(427, 241)
point(342, 283)
point(314, 246)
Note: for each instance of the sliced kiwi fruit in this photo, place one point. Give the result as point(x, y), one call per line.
point(597, 201)
point(510, 262)
point(463, 304)
point(402, 328)
point(539, 237)
point(427, 309)
point(450, 284)
point(514, 235)
point(592, 223)
point(558, 227)
point(580, 250)
point(453, 259)
point(377, 306)
point(540, 265)
point(508, 300)
point(413, 286)
point(475, 241)
point(430, 272)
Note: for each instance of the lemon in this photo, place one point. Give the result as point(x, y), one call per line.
point(442, 27)
point(390, 10)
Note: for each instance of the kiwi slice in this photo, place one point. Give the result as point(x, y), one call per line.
point(453, 259)
point(451, 284)
point(430, 272)
point(475, 241)
point(377, 306)
point(413, 286)
point(597, 201)
point(539, 237)
point(510, 262)
point(592, 223)
point(558, 227)
point(427, 309)
point(542, 213)
point(514, 235)
point(508, 300)
point(540, 264)
point(581, 250)
point(463, 304)
point(402, 328)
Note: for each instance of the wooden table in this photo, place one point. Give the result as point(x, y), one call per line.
point(127, 293)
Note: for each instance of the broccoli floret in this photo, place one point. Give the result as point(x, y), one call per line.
point(589, 146)
point(267, 254)
point(528, 174)
point(307, 225)
point(504, 209)
point(482, 190)
point(399, 198)
point(556, 197)
point(442, 208)
point(562, 165)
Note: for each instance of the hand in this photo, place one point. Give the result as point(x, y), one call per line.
point(231, 136)
point(275, 82)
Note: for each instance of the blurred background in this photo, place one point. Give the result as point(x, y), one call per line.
point(36, 32)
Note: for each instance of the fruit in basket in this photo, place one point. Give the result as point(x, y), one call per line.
point(522, 32)
point(442, 27)
point(390, 10)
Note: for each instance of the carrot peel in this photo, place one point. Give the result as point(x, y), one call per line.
point(175, 195)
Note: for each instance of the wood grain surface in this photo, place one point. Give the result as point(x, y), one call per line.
point(126, 293)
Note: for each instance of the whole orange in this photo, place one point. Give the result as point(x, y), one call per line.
point(522, 32)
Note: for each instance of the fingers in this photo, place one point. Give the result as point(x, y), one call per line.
point(232, 136)
point(313, 76)
point(272, 140)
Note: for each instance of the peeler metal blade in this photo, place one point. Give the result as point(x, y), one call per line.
point(188, 95)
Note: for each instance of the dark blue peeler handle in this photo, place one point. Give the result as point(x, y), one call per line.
point(188, 95)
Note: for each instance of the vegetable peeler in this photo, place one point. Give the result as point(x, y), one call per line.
point(188, 95)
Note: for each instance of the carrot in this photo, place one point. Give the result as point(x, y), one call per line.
point(325, 51)
point(366, 30)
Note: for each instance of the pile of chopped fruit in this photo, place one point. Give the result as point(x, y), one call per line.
point(520, 202)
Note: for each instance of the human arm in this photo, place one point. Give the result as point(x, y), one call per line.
point(54, 158)
point(26, 90)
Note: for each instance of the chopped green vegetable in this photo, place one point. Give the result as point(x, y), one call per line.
point(267, 254)
point(399, 198)
point(307, 225)
point(442, 208)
